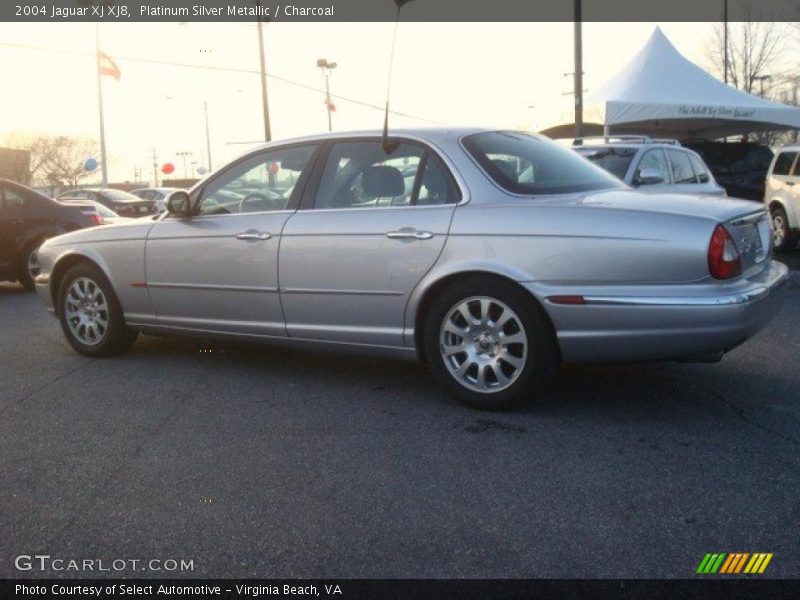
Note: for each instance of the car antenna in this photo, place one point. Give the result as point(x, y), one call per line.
point(388, 146)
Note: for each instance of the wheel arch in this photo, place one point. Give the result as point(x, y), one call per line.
point(63, 264)
point(426, 297)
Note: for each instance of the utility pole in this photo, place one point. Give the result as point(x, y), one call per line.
point(725, 36)
point(264, 97)
point(155, 169)
point(578, 75)
point(327, 67)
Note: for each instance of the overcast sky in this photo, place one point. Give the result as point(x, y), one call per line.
point(504, 75)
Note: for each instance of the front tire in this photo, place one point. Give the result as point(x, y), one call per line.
point(489, 343)
point(29, 265)
point(90, 314)
point(783, 238)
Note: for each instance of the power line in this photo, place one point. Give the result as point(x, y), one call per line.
point(166, 63)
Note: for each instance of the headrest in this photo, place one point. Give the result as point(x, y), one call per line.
point(382, 182)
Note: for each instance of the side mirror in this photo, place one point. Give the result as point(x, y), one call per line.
point(649, 177)
point(179, 205)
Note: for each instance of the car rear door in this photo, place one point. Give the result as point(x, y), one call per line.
point(371, 225)
point(684, 180)
point(218, 270)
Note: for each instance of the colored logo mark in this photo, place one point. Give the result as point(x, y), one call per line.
point(734, 563)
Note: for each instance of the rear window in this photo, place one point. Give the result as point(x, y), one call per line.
point(783, 164)
point(614, 160)
point(526, 164)
point(120, 195)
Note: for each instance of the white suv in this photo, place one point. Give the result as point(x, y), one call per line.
point(782, 197)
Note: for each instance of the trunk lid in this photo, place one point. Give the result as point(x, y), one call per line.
point(753, 238)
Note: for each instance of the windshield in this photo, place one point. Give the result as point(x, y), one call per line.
point(614, 160)
point(527, 164)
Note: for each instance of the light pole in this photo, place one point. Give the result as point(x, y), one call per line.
point(183, 155)
point(208, 131)
point(761, 79)
point(327, 67)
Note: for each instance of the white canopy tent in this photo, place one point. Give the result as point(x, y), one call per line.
point(661, 93)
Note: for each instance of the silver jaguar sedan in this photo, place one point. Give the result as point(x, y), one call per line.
point(490, 255)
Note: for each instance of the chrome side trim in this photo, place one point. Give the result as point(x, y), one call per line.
point(340, 292)
point(211, 287)
point(727, 300)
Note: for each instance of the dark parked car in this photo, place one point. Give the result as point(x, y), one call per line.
point(739, 167)
point(122, 203)
point(27, 219)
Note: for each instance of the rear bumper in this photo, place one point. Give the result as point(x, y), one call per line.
point(612, 327)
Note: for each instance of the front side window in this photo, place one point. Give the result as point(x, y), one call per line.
point(526, 164)
point(653, 159)
point(363, 175)
point(681, 167)
point(699, 169)
point(614, 160)
point(784, 162)
point(261, 183)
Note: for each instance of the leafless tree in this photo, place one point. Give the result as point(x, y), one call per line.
point(753, 52)
point(57, 160)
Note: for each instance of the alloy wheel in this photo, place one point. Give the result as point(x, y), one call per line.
point(483, 344)
point(86, 311)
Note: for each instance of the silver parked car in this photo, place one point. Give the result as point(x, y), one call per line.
point(661, 165)
point(490, 255)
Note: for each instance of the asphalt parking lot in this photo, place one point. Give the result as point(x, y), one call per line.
point(262, 462)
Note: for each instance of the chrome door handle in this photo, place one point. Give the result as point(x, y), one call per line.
point(409, 235)
point(253, 235)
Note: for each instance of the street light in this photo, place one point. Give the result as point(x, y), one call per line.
point(761, 79)
point(327, 67)
point(208, 132)
point(183, 155)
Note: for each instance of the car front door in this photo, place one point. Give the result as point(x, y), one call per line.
point(218, 270)
point(653, 159)
point(374, 224)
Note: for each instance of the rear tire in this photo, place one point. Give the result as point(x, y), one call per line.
point(489, 343)
point(90, 314)
point(783, 238)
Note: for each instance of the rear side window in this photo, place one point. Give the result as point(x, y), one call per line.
point(362, 175)
point(526, 164)
point(784, 162)
point(681, 167)
point(699, 169)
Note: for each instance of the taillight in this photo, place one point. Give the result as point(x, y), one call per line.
point(723, 257)
point(94, 217)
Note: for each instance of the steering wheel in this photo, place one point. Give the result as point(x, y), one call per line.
point(267, 202)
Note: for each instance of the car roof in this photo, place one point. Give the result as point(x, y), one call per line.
point(426, 134)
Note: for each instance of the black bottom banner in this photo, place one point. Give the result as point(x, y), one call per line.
point(388, 589)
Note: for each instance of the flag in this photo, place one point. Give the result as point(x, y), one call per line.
point(106, 66)
point(331, 106)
